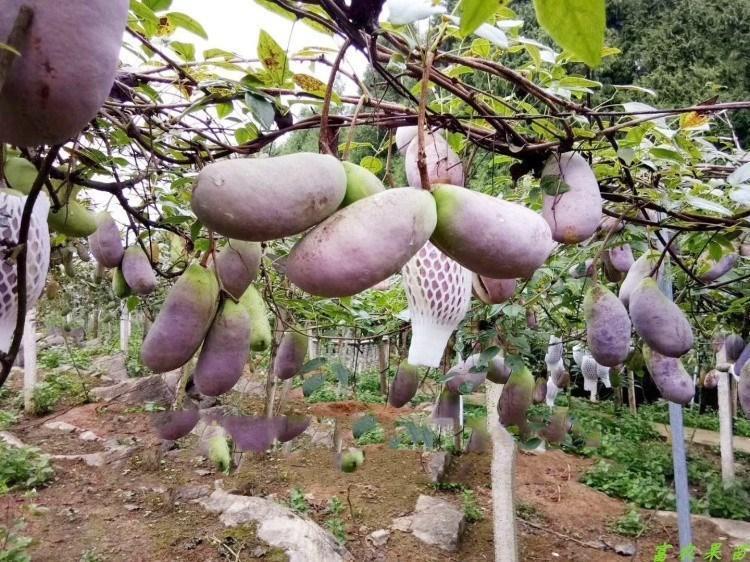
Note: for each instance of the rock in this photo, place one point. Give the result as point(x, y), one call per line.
point(624, 549)
point(89, 436)
point(155, 388)
point(436, 464)
point(379, 538)
point(321, 434)
point(250, 387)
point(132, 507)
point(435, 522)
point(61, 426)
point(301, 539)
point(112, 367)
point(11, 440)
point(190, 493)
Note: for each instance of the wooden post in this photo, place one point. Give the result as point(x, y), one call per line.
point(631, 393)
point(29, 360)
point(383, 360)
point(725, 422)
point(124, 327)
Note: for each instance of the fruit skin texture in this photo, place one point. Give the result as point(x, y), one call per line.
point(237, 264)
point(137, 271)
point(105, 243)
point(493, 291)
point(607, 326)
point(404, 386)
point(363, 244)
point(290, 356)
point(119, 285)
point(225, 350)
point(360, 183)
point(443, 165)
point(260, 199)
point(516, 398)
point(404, 137)
point(66, 70)
point(734, 345)
point(713, 270)
point(489, 236)
point(621, 258)
point(183, 321)
point(659, 321)
point(260, 327)
point(175, 424)
point(670, 377)
point(575, 214)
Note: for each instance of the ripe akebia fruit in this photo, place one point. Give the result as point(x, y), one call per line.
point(641, 269)
point(183, 321)
point(225, 350)
point(105, 243)
point(175, 424)
point(68, 45)
point(489, 236)
point(659, 321)
point(710, 270)
point(251, 433)
point(572, 202)
point(360, 183)
point(621, 258)
point(734, 345)
point(237, 266)
point(610, 272)
point(291, 427)
point(516, 399)
point(742, 360)
point(493, 291)
point(463, 380)
point(743, 390)
point(137, 271)
point(260, 327)
point(119, 285)
point(290, 355)
point(607, 326)
point(362, 244)
point(261, 199)
point(671, 378)
point(443, 165)
point(448, 408)
point(540, 391)
point(404, 386)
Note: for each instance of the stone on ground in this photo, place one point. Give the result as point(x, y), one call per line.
point(435, 522)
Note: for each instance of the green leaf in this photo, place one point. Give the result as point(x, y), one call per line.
point(158, 5)
point(224, 109)
point(312, 384)
point(576, 25)
point(132, 303)
point(273, 58)
point(375, 165)
point(246, 134)
point(474, 13)
point(706, 205)
point(341, 373)
point(185, 50)
point(188, 24)
point(262, 109)
point(313, 365)
point(554, 185)
point(363, 425)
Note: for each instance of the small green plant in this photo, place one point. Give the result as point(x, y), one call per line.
point(54, 388)
point(13, 544)
point(528, 512)
point(373, 437)
point(334, 523)
point(91, 556)
point(631, 524)
point(23, 468)
point(7, 418)
point(50, 358)
point(298, 502)
point(472, 511)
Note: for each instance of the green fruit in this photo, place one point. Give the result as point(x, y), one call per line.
point(20, 174)
point(490, 236)
point(259, 199)
point(260, 327)
point(119, 285)
point(183, 321)
point(65, 71)
point(72, 219)
point(360, 183)
point(219, 453)
point(607, 326)
point(351, 459)
point(362, 244)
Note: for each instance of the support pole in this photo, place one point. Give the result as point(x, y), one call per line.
point(725, 422)
point(29, 360)
point(124, 327)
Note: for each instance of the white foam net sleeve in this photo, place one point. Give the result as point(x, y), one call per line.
point(37, 258)
point(603, 373)
point(554, 350)
point(590, 371)
point(439, 293)
point(552, 392)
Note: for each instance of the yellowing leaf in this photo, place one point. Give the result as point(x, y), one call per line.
point(273, 58)
point(693, 120)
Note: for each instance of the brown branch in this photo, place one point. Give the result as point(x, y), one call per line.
point(327, 141)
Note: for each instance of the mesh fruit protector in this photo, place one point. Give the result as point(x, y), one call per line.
point(37, 258)
point(439, 293)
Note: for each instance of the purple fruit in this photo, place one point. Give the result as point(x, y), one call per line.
point(362, 244)
point(607, 326)
point(743, 391)
point(448, 408)
point(183, 321)
point(292, 427)
point(734, 345)
point(105, 243)
point(516, 398)
point(490, 236)
point(710, 270)
point(540, 391)
point(572, 202)
point(641, 269)
point(443, 165)
point(621, 258)
point(260, 199)
point(225, 350)
point(137, 271)
point(404, 386)
point(670, 377)
point(659, 321)
point(171, 426)
point(612, 274)
point(252, 433)
point(463, 380)
point(66, 68)
point(742, 360)
point(290, 356)
point(237, 264)
point(493, 291)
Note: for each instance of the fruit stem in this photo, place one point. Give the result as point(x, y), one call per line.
point(424, 175)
